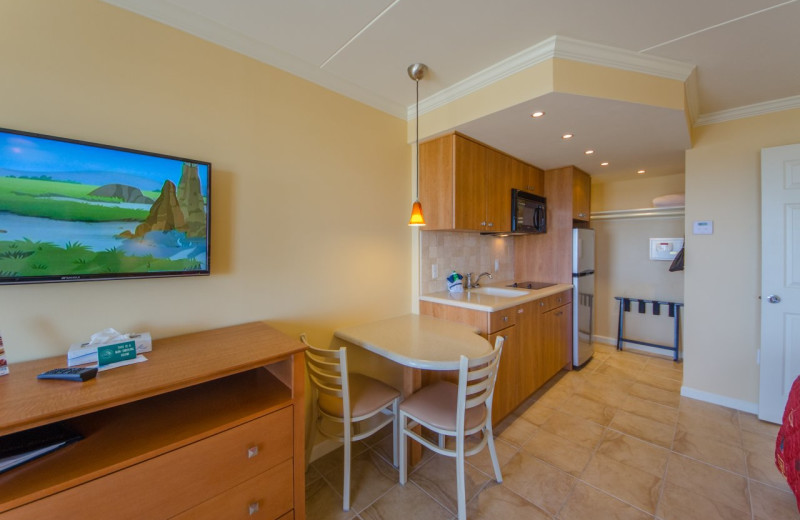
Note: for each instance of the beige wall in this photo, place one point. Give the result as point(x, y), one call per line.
point(634, 193)
point(722, 277)
point(623, 265)
point(310, 190)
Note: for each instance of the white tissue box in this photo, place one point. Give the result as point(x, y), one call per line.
point(83, 353)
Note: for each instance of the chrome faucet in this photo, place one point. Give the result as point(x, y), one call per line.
point(468, 281)
point(479, 279)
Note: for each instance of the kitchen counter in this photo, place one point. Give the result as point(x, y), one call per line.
point(493, 297)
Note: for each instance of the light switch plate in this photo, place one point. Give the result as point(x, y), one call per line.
point(703, 227)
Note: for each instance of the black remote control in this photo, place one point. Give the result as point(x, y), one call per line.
point(69, 374)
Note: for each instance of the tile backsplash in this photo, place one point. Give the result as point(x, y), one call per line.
point(464, 253)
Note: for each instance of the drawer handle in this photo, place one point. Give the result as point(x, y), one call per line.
point(541, 304)
point(520, 311)
point(252, 452)
point(558, 300)
point(252, 508)
point(559, 313)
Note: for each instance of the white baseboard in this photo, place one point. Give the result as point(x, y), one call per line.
point(323, 448)
point(736, 404)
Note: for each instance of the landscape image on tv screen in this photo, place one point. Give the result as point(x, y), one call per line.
point(71, 210)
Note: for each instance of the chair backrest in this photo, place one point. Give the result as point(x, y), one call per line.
point(327, 371)
point(476, 379)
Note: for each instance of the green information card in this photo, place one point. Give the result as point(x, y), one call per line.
point(115, 353)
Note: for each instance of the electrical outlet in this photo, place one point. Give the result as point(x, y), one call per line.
point(496, 265)
point(434, 271)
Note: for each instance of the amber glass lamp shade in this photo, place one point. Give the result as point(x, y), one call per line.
point(416, 215)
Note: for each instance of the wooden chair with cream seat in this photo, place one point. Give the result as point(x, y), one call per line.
point(455, 410)
point(353, 401)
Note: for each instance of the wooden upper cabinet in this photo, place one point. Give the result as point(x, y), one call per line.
point(498, 191)
point(581, 194)
point(466, 185)
point(527, 178)
point(469, 179)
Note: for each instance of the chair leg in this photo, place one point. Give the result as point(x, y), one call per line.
point(460, 478)
point(493, 452)
point(402, 442)
point(395, 430)
point(346, 485)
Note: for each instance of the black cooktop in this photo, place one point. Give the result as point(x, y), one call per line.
point(531, 285)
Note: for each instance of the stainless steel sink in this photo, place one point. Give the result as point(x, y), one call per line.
point(531, 285)
point(498, 291)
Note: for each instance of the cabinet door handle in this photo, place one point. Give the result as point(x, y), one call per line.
point(252, 452)
point(520, 311)
point(490, 224)
point(483, 223)
point(505, 318)
point(252, 508)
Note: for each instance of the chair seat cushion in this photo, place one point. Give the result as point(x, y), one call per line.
point(367, 395)
point(436, 405)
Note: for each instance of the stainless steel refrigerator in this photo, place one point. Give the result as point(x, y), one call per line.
point(582, 296)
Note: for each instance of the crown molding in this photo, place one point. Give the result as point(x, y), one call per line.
point(756, 109)
point(556, 47)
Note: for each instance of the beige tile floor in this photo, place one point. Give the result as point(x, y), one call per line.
point(612, 441)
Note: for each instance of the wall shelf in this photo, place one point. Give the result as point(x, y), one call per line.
point(619, 214)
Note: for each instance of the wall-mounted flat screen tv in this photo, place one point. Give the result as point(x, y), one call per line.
point(72, 210)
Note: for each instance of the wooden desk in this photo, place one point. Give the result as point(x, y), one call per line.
point(209, 426)
point(417, 343)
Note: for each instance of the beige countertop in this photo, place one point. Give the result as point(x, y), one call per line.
point(478, 299)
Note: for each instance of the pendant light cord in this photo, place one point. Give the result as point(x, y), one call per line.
point(417, 80)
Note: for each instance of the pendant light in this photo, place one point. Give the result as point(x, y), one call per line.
point(416, 72)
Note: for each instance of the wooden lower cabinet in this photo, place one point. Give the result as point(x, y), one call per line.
point(506, 390)
point(202, 430)
point(537, 344)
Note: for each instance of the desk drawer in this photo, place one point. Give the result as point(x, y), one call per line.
point(175, 481)
point(264, 497)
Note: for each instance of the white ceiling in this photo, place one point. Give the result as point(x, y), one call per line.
point(744, 53)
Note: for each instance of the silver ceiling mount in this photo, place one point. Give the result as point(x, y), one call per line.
point(417, 71)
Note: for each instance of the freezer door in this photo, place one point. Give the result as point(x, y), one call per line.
point(582, 250)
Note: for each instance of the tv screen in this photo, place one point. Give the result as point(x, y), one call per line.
point(72, 210)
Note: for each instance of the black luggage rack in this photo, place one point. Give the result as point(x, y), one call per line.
point(674, 311)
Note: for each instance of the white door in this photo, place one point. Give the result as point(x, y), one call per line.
point(780, 278)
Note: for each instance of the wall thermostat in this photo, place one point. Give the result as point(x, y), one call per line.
point(703, 227)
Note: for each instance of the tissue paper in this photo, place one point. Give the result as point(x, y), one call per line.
point(82, 353)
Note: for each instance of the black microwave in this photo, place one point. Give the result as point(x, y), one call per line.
point(528, 212)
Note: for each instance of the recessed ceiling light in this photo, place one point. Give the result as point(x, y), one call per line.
point(640, 172)
point(566, 136)
point(538, 113)
point(603, 164)
point(589, 152)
